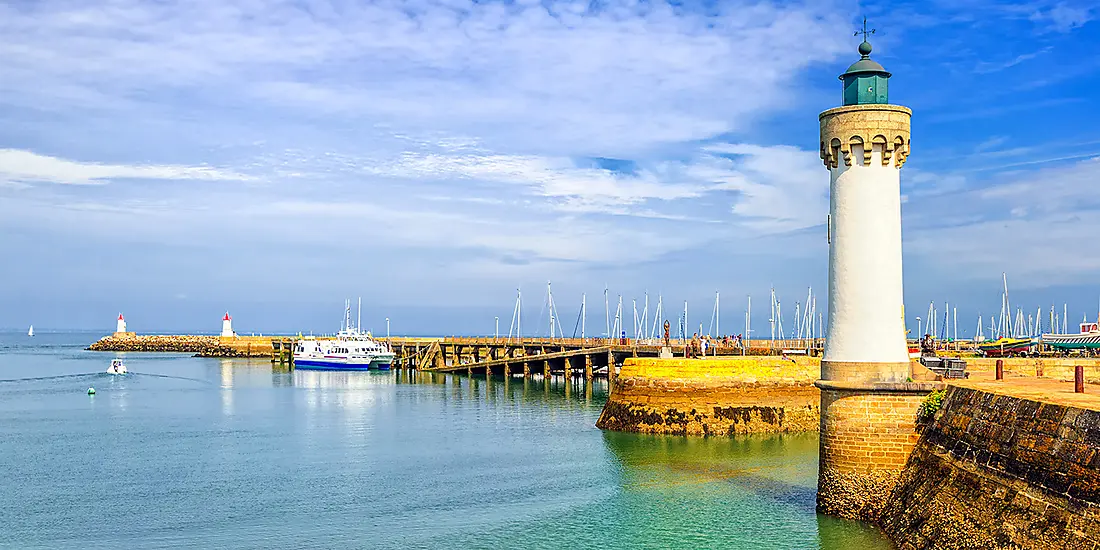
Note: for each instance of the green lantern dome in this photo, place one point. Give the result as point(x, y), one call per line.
point(865, 82)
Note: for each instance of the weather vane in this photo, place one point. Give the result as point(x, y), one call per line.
point(864, 32)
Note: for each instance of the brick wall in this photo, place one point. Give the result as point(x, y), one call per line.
point(996, 471)
point(866, 438)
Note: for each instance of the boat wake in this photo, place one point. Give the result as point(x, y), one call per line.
point(93, 375)
point(59, 377)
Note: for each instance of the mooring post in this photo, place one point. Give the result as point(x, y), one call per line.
point(1079, 379)
point(526, 369)
point(587, 367)
point(1000, 369)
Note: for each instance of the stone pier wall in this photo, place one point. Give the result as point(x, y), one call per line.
point(207, 346)
point(994, 470)
point(714, 397)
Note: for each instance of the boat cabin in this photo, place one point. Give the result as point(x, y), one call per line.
point(1090, 327)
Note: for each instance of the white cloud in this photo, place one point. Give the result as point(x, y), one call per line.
point(568, 77)
point(1035, 225)
point(20, 167)
point(781, 188)
point(590, 189)
point(1066, 16)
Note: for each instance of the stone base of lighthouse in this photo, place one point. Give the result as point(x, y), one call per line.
point(867, 433)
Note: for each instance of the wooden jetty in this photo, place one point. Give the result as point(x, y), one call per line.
point(587, 357)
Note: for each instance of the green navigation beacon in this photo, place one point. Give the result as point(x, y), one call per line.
point(865, 82)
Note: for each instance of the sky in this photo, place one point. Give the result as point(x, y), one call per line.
point(176, 159)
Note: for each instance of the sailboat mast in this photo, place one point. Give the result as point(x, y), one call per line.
point(550, 307)
point(584, 315)
point(606, 311)
point(748, 323)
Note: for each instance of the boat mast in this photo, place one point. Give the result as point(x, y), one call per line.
point(771, 320)
point(584, 314)
point(717, 314)
point(619, 318)
point(653, 333)
point(550, 305)
point(686, 325)
point(606, 311)
point(748, 325)
point(634, 306)
point(359, 316)
point(516, 311)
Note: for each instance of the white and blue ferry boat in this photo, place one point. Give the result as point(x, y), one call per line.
point(350, 350)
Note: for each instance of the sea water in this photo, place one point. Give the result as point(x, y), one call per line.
point(188, 452)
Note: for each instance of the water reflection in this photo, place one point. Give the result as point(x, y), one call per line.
point(751, 478)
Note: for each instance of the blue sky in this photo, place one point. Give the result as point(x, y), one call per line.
point(176, 159)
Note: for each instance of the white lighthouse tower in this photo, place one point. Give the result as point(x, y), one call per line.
point(227, 326)
point(868, 397)
point(864, 144)
point(120, 324)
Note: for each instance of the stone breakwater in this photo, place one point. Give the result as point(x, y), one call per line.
point(205, 346)
point(1000, 471)
point(720, 396)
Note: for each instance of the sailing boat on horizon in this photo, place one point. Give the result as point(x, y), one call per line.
point(30, 331)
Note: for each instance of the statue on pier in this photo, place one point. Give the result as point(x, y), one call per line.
point(666, 350)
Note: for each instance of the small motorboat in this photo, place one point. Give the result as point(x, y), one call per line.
point(117, 367)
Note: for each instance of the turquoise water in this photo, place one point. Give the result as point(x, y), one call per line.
point(205, 453)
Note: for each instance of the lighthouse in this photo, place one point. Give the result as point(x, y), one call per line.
point(868, 399)
point(227, 326)
point(120, 324)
